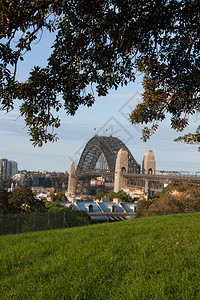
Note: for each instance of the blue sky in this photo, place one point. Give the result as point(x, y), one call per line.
point(109, 115)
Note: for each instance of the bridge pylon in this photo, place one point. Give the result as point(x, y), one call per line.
point(149, 163)
point(72, 180)
point(121, 167)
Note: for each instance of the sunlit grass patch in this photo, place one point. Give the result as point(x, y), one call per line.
point(146, 258)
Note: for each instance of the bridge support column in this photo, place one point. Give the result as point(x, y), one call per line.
point(71, 180)
point(121, 167)
point(149, 163)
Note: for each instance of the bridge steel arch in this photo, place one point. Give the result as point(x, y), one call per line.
point(109, 147)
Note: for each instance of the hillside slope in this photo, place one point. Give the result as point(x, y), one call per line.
point(146, 258)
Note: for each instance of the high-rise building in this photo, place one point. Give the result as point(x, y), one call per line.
point(8, 168)
point(3, 168)
point(14, 168)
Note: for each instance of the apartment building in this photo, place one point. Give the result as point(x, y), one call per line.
point(8, 168)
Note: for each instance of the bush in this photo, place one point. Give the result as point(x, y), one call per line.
point(182, 197)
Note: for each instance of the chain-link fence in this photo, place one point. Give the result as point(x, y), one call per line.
point(11, 224)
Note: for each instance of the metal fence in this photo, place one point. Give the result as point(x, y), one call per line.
point(12, 224)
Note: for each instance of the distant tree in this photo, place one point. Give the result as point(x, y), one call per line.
point(53, 206)
point(24, 201)
point(121, 194)
point(102, 45)
point(59, 196)
point(4, 204)
point(182, 197)
point(6, 183)
point(100, 192)
point(143, 204)
point(124, 196)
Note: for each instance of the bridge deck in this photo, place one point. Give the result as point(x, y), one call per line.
point(168, 177)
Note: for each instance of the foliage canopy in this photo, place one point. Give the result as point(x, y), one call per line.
point(101, 45)
point(4, 204)
point(59, 196)
point(181, 197)
point(22, 200)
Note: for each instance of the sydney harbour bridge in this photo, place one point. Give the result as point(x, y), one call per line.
point(109, 157)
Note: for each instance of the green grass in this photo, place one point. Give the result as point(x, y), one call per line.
point(147, 258)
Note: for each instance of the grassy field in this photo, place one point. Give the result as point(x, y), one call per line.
point(147, 258)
